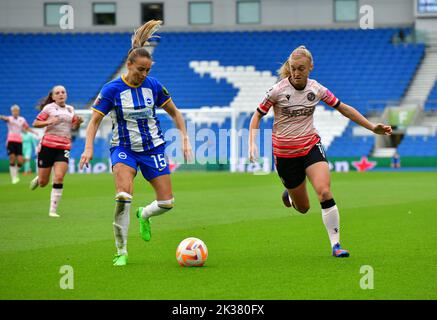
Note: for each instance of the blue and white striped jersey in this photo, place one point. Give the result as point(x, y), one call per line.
point(133, 112)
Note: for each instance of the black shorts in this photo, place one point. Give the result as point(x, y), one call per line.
point(292, 170)
point(48, 156)
point(15, 148)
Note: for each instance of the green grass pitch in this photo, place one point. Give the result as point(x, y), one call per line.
point(258, 249)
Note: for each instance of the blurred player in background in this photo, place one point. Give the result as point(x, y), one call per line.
point(59, 120)
point(396, 161)
point(14, 143)
point(30, 141)
point(137, 139)
point(297, 148)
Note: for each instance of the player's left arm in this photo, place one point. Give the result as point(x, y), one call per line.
point(178, 120)
point(353, 114)
point(77, 121)
point(29, 129)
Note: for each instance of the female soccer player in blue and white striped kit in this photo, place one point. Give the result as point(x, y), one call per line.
point(137, 139)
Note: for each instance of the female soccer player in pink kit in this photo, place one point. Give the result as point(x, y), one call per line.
point(297, 149)
point(14, 143)
point(59, 120)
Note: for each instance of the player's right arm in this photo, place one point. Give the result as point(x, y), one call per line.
point(260, 112)
point(253, 131)
point(4, 118)
point(43, 119)
point(91, 131)
point(103, 104)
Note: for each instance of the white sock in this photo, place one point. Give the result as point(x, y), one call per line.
point(13, 170)
point(121, 221)
point(157, 207)
point(331, 219)
point(55, 196)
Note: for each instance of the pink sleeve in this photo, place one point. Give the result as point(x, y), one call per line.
point(74, 120)
point(328, 97)
point(25, 124)
point(43, 115)
point(268, 101)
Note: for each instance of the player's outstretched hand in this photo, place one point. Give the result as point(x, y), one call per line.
point(253, 153)
point(85, 159)
point(79, 120)
point(381, 128)
point(187, 151)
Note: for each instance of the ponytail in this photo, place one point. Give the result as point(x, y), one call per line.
point(284, 71)
point(140, 40)
point(46, 100)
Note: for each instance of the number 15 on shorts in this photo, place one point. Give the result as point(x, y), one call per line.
point(160, 161)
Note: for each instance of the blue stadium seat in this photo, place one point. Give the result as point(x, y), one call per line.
point(350, 62)
point(418, 146)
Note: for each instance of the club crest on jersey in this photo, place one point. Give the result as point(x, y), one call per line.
point(122, 155)
point(149, 101)
point(311, 96)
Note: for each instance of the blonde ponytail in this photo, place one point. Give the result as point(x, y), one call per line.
point(142, 34)
point(140, 39)
point(284, 71)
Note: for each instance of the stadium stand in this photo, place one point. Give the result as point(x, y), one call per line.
point(362, 67)
point(431, 102)
point(418, 146)
point(348, 145)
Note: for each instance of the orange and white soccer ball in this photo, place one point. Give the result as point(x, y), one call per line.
point(192, 252)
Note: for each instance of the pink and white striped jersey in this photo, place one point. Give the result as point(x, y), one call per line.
point(294, 133)
point(58, 135)
point(15, 127)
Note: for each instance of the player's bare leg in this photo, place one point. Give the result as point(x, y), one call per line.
point(123, 177)
point(319, 176)
point(42, 179)
point(163, 203)
point(297, 198)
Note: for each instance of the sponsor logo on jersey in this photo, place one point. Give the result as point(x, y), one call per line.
point(291, 112)
point(139, 114)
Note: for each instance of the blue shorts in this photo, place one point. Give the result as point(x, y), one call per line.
point(153, 163)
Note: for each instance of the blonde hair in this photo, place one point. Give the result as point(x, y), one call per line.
point(301, 51)
point(140, 40)
point(15, 107)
